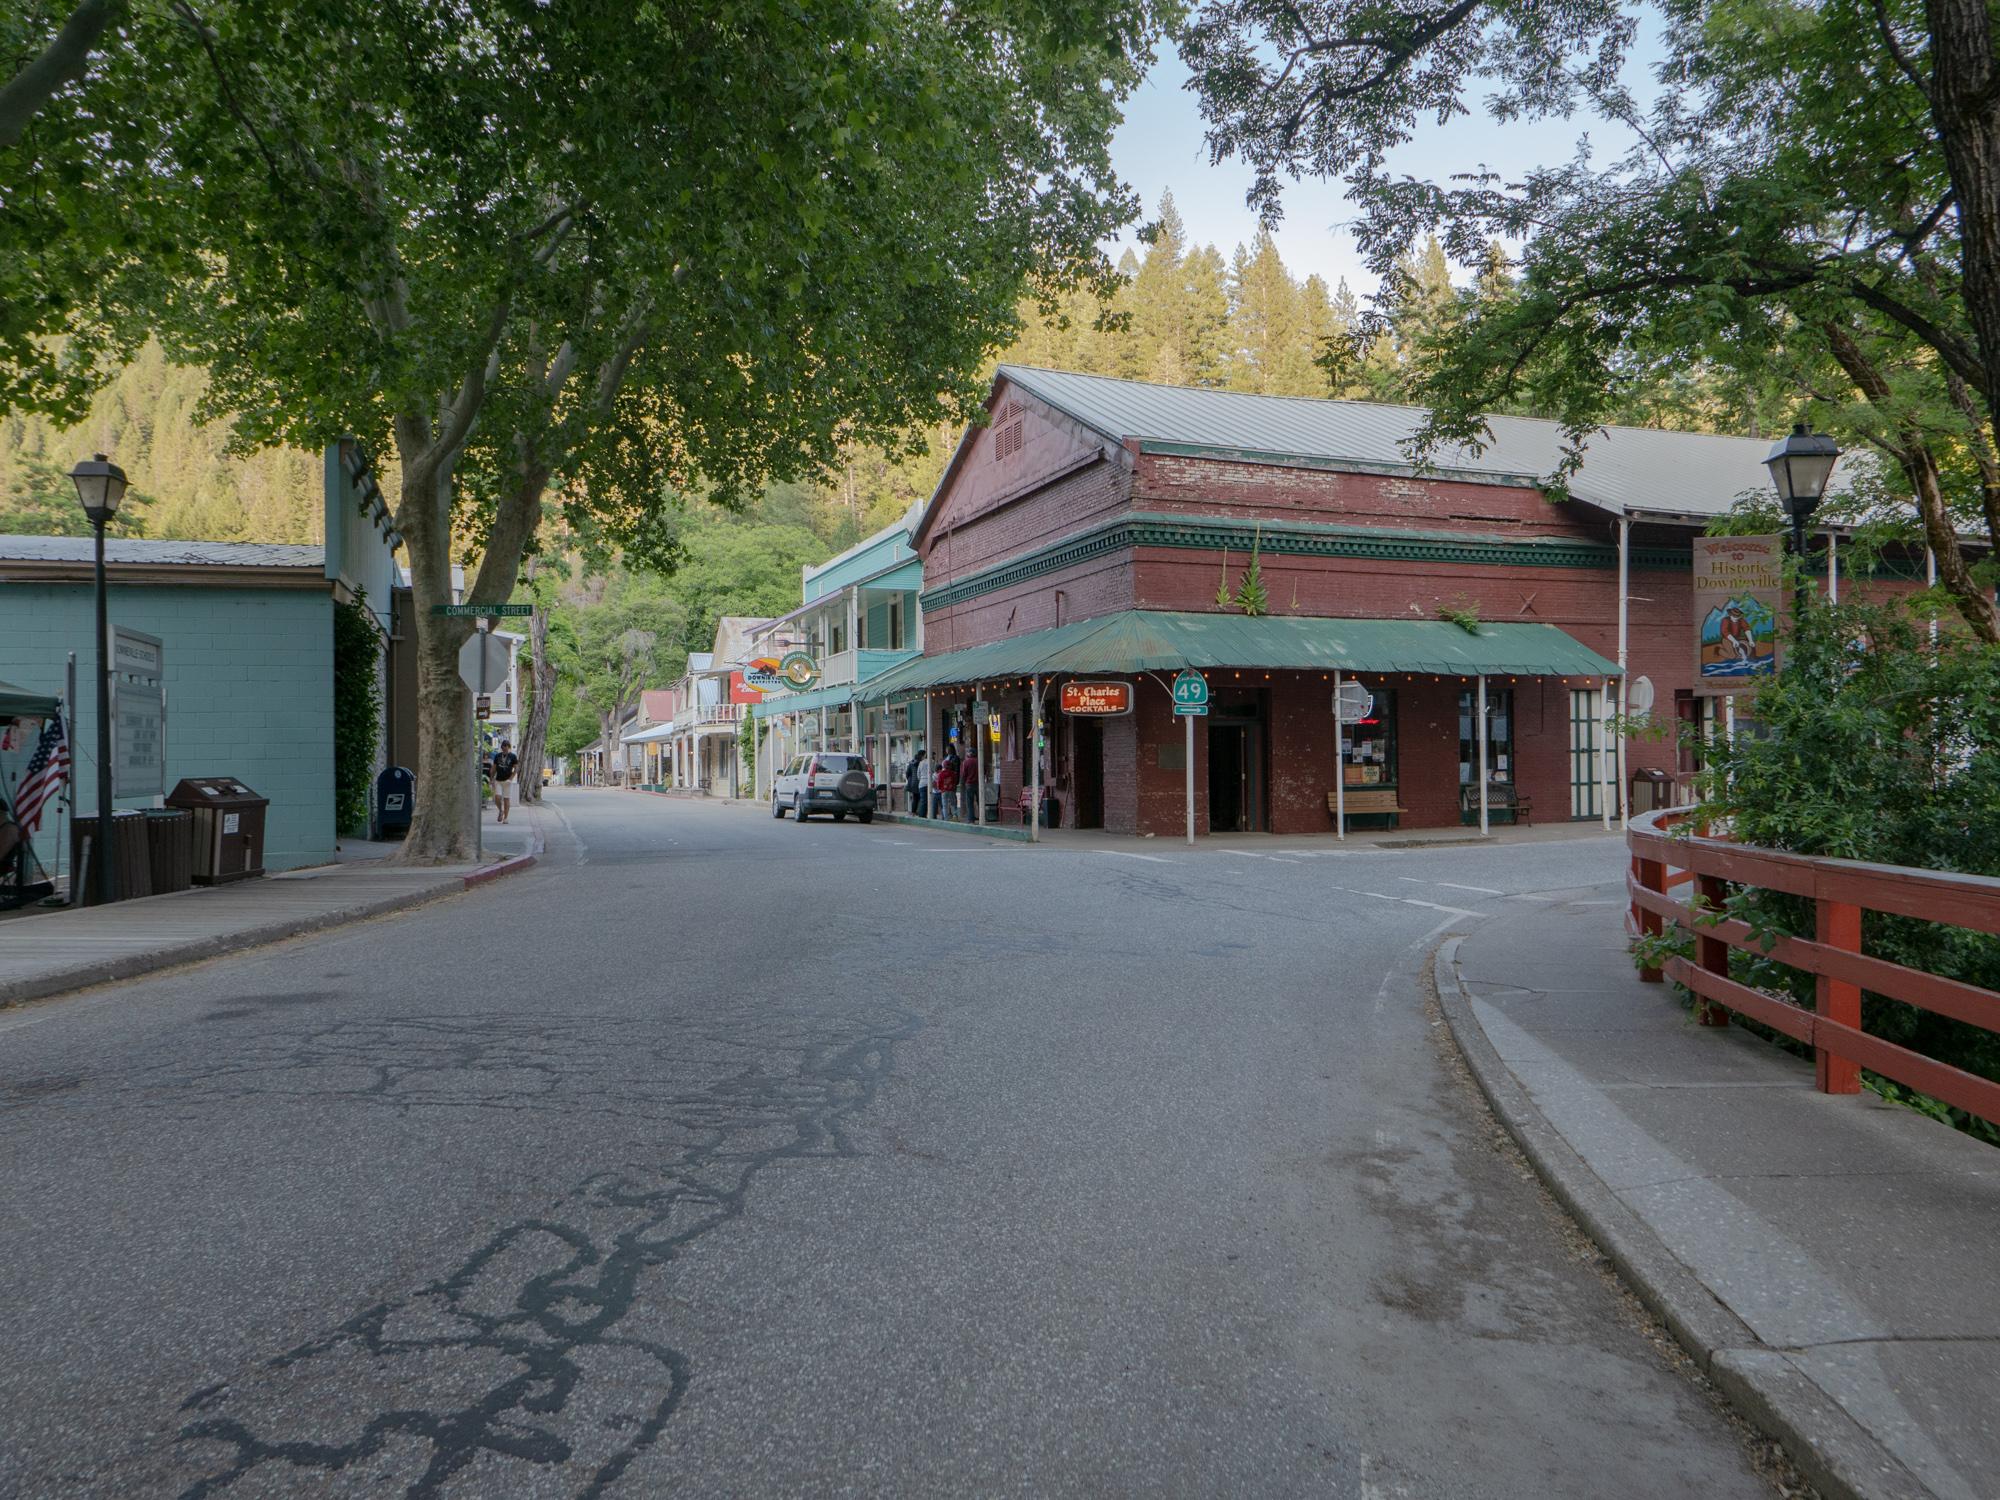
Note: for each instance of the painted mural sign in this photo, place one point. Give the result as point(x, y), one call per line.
point(1739, 592)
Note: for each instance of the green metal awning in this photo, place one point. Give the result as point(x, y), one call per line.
point(19, 703)
point(791, 703)
point(1157, 641)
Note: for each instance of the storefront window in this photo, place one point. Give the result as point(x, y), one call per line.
point(1368, 747)
point(1499, 737)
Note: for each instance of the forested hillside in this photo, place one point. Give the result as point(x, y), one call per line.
point(1185, 314)
point(185, 482)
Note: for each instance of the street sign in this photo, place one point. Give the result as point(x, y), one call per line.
point(1352, 703)
point(482, 662)
point(1190, 693)
point(482, 707)
point(481, 611)
point(1097, 700)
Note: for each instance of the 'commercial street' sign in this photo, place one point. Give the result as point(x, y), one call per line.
point(1190, 693)
point(481, 611)
point(1097, 700)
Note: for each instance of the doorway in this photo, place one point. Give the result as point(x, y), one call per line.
point(1236, 770)
point(1087, 769)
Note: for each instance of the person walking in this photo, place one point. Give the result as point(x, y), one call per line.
point(916, 785)
point(946, 784)
point(505, 763)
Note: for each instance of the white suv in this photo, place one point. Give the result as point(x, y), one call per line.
point(826, 782)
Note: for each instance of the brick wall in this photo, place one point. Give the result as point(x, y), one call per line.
point(1043, 486)
point(249, 693)
point(1270, 492)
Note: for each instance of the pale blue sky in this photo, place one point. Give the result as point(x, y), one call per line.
point(1160, 146)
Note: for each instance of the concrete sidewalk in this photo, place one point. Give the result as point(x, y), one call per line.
point(51, 953)
point(1829, 1261)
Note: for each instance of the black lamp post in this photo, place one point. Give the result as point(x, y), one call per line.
point(100, 485)
point(1800, 466)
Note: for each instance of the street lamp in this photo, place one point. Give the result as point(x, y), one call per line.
point(100, 485)
point(1800, 466)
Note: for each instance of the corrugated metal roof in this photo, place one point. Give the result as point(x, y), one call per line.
point(1624, 468)
point(1159, 641)
point(162, 554)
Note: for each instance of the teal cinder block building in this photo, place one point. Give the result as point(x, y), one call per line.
point(246, 638)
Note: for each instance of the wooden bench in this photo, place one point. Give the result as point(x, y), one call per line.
point(1366, 802)
point(1499, 798)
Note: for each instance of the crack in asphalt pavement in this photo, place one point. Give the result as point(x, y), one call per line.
point(522, 1354)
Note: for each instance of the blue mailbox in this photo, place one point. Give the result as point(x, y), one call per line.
point(395, 800)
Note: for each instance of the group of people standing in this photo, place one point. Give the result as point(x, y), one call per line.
point(945, 788)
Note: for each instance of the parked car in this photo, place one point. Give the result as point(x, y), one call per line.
point(826, 782)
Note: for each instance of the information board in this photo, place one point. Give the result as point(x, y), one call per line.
point(138, 714)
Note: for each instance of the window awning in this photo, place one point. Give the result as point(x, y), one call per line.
point(1158, 641)
point(19, 703)
point(792, 703)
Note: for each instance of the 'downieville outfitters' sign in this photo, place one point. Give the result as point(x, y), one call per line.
point(1739, 593)
point(1097, 700)
point(768, 674)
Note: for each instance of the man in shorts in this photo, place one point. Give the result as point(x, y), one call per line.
point(504, 764)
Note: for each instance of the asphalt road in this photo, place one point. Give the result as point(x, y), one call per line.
point(721, 1157)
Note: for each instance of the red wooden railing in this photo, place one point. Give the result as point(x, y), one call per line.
point(1840, 890)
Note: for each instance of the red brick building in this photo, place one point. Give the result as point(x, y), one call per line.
point(1088, 530)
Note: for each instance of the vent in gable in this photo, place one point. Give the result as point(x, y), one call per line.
point(1007, 440)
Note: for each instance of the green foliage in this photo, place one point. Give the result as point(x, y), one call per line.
point(1250, 595)
point(1462, 612)
point(83, 231)
point(571, 723)
point(1791, 232)
point(357, 712)
point(1181, 317)
point(1225, 597)
point(1874, 745)
point(186, 481)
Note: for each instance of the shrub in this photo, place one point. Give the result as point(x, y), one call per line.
point(1875, 744)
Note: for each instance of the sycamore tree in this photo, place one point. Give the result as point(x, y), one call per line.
point(1811, 202)
point(595, 250)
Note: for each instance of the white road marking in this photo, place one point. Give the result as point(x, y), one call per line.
point(1243, 853)
point(1454, 910)
point(1151, 859)
point(1406, 901)
point(1483, 890)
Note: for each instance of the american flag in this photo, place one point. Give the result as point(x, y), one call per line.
point(44, 777)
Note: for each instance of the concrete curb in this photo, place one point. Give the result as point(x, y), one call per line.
point(1839, 1456)
point(952, 825)
point(200, 950)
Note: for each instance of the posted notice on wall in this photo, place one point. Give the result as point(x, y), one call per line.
point(138, 714)
point(1739, 594)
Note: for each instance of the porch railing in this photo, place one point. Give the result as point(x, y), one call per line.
point(1664, 862)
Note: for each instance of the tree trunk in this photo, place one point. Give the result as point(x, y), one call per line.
point(535, 733)
point(1965, 103)
point(62, 61)
point(1912, 452)
point(445, 827)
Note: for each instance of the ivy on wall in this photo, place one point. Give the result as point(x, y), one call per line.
point(357, 712)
